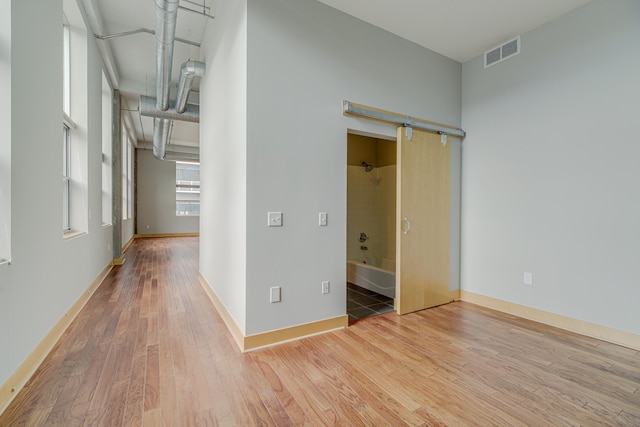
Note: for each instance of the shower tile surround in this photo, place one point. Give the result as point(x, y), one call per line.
point(363, 303)
point(371, 210)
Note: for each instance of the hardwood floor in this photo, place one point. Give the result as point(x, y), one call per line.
point(149, 349)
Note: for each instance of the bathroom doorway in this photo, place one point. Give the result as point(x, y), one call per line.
point(371, 225)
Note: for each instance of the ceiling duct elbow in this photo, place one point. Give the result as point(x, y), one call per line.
point(188, 71)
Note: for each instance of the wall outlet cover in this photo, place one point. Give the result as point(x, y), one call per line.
point(274, 219)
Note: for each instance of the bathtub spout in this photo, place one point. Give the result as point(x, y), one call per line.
point(364, 248)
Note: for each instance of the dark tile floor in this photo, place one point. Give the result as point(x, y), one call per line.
point(362, 303)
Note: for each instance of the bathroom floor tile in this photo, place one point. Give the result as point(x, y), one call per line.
point(363, 303)
point(381, 308)
point(365, 300)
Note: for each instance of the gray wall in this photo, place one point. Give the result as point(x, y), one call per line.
point(156, 182)
point(48, 274)
point(550, 169)
point(304, 59)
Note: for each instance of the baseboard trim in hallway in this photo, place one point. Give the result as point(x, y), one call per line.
point(266, 339)
point(582, 327)
point(154, 236)
point(25, 371)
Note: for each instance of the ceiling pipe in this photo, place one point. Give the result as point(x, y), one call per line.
point(161, 128)
point(142, 30)
point(191, 112)
point(166, 16)
point(188, 71)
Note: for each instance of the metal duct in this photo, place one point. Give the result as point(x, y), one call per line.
point(182, 157)
point(166, 16)
point(191, 112)
point(161, 128)
point(188, 71)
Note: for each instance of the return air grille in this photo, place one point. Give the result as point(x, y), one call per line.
point(502, 52)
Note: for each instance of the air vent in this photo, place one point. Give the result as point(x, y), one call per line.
point(502, 52)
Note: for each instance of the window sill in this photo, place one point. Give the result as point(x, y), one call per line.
point(72, 234)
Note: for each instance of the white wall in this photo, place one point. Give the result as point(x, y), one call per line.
point(550, 169)
point(223, 129)
point(5, 182)
point(304, 59)
point(48, 273)
point(156, 182)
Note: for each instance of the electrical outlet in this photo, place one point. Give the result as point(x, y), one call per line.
point(528, 278)
point(275, 294)
point(325, 287)
point(274, 219)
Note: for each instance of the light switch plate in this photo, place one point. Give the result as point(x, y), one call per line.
point(274, 219)
point(274, 294)
point(322, 219)
point(325, 287)
point(527, 278)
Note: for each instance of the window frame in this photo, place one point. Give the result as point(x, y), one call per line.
point(183, 187)
point(107, 152)
point(75, 149)
point(66, 177)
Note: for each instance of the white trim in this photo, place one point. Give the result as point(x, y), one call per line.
point(68, 121)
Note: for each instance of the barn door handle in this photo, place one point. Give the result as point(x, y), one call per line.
point(408, 228)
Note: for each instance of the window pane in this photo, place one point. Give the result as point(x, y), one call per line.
point(66, 73)
point(66, 168)
point(187, 188)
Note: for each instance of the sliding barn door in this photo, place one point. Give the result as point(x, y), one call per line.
point(423, 218)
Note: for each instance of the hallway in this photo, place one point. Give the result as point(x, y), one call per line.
point(149, 349)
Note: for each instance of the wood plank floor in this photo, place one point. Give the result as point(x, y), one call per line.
point(149, 349)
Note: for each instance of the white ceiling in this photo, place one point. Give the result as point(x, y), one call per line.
point(458, 29)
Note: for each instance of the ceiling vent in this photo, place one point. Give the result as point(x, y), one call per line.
point(502, 52)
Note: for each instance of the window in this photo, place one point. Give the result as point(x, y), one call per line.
point(66, 176)
point(74, 149)
point(130, 154)
point(66, 130)
point(187, 188)
point(66, 67)
point(106, 152)
point(127, 175)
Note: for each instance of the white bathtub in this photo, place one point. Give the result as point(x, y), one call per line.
point(380, 279)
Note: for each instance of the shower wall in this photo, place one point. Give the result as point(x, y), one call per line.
point(371, 200)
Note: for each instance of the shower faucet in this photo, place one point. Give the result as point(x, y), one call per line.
point(363, 237)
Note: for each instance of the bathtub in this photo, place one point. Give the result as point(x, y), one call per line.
point(378, 277)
